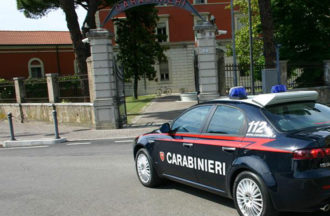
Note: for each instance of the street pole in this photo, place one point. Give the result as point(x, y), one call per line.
point(233, 40)
point(251, 49)
point(11, 127)
point(278, 63)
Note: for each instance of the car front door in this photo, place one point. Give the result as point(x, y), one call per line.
point(217, 146)
point(175, 152)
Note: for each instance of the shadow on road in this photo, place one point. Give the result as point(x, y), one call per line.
point(226, 201)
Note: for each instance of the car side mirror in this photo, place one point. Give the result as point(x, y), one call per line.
point(165, 128)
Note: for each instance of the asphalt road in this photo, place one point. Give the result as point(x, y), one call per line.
point(94, 178)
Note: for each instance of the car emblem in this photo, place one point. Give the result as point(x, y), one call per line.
point(162, 156)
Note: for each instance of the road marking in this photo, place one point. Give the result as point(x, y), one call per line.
point(123, 141)
point(94, 139)
point(24, 147)
point(85, 143)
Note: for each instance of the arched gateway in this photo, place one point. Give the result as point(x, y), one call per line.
point(128, 4)
point(105, 94)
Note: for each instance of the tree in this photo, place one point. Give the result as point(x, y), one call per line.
point(39, 8)
point(242, 37)
point(267, 28)
point(138, 43)
point(302, 27)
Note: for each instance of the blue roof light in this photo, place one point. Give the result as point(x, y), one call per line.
point(237, 93)
point(278, 88)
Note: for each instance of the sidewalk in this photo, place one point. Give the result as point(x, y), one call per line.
point(43, 130)
point(161, 110)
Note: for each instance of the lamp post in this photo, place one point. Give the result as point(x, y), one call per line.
point(278, 46)
point(251, 49)
point(233, 39)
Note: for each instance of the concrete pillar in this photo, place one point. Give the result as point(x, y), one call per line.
point(102, 80)
point(19, 89)
point(221, 72)
point(284, 72)
point(327, 72)
point(53, 88)
point(207, 61)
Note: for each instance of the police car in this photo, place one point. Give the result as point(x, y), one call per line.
point(269, 152)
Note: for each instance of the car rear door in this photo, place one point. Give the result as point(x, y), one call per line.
point(177, 152)
point(218, 145)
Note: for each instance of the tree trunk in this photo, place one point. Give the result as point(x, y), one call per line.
point(268, 32)
point(135, 86)
point(90, 17)
point(68, 7)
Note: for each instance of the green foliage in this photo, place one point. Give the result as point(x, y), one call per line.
point(138, 44)
point(36, 88)
point(303, 30)
point(37, 8)
point(135, 106)
point(242, 38)
point(7, 89)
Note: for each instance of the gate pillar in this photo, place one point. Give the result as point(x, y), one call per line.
point(207, 61)
point(102, 80)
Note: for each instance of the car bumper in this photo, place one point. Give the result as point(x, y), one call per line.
point(302, 192)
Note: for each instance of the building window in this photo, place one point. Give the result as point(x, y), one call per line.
point(36, 68)
point(162, 30)
point(164, 71)
point(200, 1)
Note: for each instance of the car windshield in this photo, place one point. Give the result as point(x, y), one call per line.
point(298, 116)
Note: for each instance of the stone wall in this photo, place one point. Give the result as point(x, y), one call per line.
point(73, 113)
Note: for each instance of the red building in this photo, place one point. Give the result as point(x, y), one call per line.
point(178, 23)
point(178, 72)
point(32, 54)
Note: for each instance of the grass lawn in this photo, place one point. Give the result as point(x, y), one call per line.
point(134, 107)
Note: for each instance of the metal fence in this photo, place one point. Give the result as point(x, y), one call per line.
point(243, 77)
point(73, 88)
point(7, 92)
point(305, 75)
point(36, 90)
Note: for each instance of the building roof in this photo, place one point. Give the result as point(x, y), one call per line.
point(34, 37)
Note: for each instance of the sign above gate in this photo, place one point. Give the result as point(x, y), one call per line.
point(124, 5)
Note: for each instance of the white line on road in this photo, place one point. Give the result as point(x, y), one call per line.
point(24, 147)
point(85, 143)
point(123, 141)
point(94, 139)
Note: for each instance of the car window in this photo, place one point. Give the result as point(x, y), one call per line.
point(191, 121)
point(297, 116)
point(226, 120)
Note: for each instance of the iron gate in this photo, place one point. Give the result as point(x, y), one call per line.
point(120, 87)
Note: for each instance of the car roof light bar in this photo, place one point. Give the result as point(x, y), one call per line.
point(278, 88)
point(238, 92)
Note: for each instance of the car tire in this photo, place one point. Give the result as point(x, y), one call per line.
point(145, 169)
point(251, 196)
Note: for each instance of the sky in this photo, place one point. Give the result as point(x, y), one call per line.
point(12, 19)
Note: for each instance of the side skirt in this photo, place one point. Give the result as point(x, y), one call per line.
point(197, 185)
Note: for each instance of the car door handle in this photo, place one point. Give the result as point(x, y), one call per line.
point(228, 149)
point(188, 145)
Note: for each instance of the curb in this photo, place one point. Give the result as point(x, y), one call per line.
point(25, 143)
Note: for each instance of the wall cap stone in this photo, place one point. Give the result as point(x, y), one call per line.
point(52, 75)
point(99, 33)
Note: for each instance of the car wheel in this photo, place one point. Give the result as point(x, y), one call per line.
point(251, 196)
point(145, 169)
